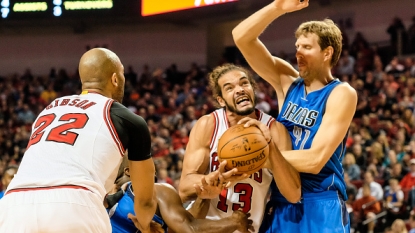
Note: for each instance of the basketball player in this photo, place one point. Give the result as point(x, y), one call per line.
point(203, 176)
point(170, 213)
point(316, 108)
point(73, 156)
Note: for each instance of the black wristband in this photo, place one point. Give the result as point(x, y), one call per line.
point(112, 199)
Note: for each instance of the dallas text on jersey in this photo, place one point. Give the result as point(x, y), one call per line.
point(300, 116)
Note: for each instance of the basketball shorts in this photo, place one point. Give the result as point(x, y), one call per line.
point(316, 212)
point(62, 210)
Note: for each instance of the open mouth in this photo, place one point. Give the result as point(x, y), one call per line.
point(242, 101)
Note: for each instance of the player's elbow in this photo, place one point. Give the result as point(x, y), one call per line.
point(315, 169)
point(183, 195)
point(295, 196)
point(146, 203)
point(319, 162)
point(239, 38)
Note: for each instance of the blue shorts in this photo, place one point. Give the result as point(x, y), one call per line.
point(316, 212)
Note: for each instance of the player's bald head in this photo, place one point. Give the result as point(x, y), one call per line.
point(97, 66)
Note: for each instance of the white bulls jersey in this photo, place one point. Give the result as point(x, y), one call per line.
point(74, 139)
point(249, 194)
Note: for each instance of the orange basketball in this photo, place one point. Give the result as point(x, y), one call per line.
point(244, 148)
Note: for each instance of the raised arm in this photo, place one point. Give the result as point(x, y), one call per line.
point(180, 220)
point(340, 109)
point(279, 73)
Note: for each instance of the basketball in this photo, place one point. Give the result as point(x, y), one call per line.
point(244, 148)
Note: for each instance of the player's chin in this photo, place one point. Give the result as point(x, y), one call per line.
point(246, 110)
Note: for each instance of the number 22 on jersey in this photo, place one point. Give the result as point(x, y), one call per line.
point(60, 133)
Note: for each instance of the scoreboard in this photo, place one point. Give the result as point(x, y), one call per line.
point(153, 7)
point(54, 8)
point(47, 9)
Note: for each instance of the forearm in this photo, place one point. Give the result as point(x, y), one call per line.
point(144, 211)
point(187, 191)
point(307, 161)
point(250, 29)
point(200, 208)
point(285, 175)
point(223, 225)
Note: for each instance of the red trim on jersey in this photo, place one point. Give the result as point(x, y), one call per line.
point(215, 130)
point(111, 128)
point(47, 188)
point(258, 114)
point(271, 119)
point(226, 119)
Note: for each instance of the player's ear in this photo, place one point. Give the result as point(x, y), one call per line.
point(114, 80)
point(127, 171)
point(221, 101)
point(328, 53)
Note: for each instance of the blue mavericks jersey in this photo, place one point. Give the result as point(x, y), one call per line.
point(302, 114)
point(120, 222)
point(1, 194)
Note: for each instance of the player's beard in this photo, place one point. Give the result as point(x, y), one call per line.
point(119, 94)
point(245, 112)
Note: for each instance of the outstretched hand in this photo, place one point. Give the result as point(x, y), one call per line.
point(213, 183)
point(243, 221)
point(154, 227)
point(291, 5)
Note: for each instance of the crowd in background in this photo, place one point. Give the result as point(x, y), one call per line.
point(380, 159)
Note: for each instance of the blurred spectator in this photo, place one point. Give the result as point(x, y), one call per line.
point(408, 181)
point(394, 198)
point(375, 188)
point(350, 167)
point(395, 172)
point(412, 222)
point(351, 191)
point(399, 226)
point(26, 115)
point(366, 207)
point(131, 76)
point(152, 114)
point(346, 64)
point(360, 155)
point(162, 177)
point(358, 39)
point(397, 33)
point(411, 36)
point(6, 177)
point(49, 94)
point(262, 104)
point(395, 67)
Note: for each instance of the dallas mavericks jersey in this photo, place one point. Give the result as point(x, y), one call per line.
point(249, 194)
point(120, 223)
point(302, 114)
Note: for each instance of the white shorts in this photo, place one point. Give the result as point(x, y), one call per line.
point(58, 210)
